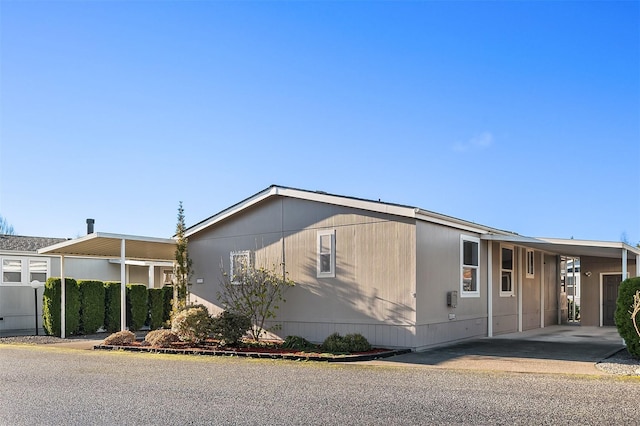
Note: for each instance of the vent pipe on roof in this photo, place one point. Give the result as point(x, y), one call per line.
point(90, 223)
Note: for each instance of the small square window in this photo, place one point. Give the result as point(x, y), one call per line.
point(238, 264)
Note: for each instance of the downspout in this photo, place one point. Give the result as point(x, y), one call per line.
point(63, 300)
point(489, 288)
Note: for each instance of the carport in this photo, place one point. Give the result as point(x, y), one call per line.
point(616, 253)
point(124, 248)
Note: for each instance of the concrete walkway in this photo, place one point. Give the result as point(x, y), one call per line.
point(555, 349)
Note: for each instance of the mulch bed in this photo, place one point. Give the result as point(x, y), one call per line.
point(256, 352)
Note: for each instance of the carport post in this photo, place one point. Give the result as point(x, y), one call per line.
point(624, 264)
point(123, 288)
point(637, 265)
point(489, 288)
point(63, 299)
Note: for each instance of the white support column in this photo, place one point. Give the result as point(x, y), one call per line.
point(518, 251)
point(637, 265)
point(123, 288)
point(489, 288)
point(624, 264)
point(152, 276)
point(542, 289)
point(63, 299)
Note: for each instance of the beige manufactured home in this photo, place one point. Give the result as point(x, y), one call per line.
point(401, 276)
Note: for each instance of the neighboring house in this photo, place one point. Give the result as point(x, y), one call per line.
point(400, 275)
point(21, 265)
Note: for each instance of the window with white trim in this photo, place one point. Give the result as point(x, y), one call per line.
point(469, 266)
point(23, 270)
point(531, 269)
point(506, 271)
point(38, 270)
point(239, 261)
point(326, 263)
point(12, 271)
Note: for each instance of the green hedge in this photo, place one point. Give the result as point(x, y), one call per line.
point(112, 306)
point(167, 293)
point(622, 315)
point(51, 306)
point(156, 308)
point(91, 305)
point(137, 307)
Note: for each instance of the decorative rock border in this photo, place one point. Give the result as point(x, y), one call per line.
point(267, 355)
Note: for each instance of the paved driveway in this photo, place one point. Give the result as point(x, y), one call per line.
point(556, 349)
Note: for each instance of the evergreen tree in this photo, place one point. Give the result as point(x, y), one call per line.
point(182, 266)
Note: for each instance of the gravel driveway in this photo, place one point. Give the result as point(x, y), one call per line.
point(43, 385)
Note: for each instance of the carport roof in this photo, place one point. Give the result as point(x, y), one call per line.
point(576, 248)
point(108, 245)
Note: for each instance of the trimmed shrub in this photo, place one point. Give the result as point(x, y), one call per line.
point(622, 316)
point(298, 343)
point(230, 327)
point(167, 296)
point(91, 306)
point(112, 306)
point(137, 308)
point(161, 338)
point(120, 338)
point(51, 307)
point(192, 324)
point(357, 343)
point(156, 308)
point(349, 343)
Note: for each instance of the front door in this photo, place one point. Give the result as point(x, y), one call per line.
point(610, 284)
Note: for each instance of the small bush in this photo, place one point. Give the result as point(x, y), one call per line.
point(357, 343)
point(334, 343)
point(51, 306)
point(91, 306)
point(137, 308)
point(161, 338)
point(622, 316)
point(230, 327)
point(120, 338)
point(112, 306)
point(298, 343)
point(192, 324)
point(156, 307)
point(349, 343)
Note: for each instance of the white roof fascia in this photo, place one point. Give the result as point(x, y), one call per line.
point(455, 223)
point(232, 210)
point(355, 203)
point(309, 196)
point(95, 235)
point(593, 243)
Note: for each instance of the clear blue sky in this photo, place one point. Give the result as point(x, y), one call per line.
point(523, 116)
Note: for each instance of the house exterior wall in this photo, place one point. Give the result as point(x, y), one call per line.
point(590, 301)
point(372, 292)
point(530, 291)
point(438, 271)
